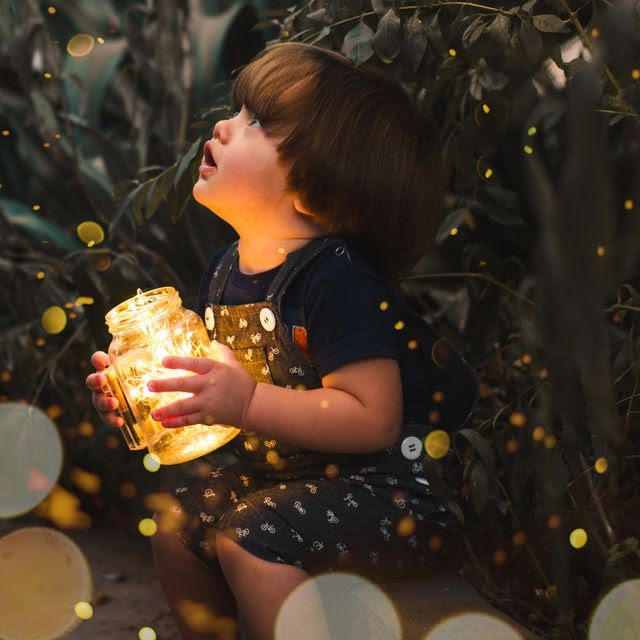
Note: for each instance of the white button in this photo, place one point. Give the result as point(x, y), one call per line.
point(267, 319)
point(411, 448)
point(209, 320)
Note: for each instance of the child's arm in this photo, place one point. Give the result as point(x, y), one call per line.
point(358, 410)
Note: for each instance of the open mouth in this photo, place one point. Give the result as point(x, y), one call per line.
point(208, 157)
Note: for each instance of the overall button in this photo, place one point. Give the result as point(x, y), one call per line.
point(411, 447)
point(267, 319)
point(209, 320)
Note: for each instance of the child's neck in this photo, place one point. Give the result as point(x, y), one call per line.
point(256, 254)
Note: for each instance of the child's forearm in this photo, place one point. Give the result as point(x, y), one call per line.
point(322, 419)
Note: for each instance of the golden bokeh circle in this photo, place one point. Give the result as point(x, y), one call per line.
point(54, 320)
point(437, 444)
point(90, 232)
point(80, 45)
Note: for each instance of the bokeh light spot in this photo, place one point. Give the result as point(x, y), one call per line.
point(479, 626)
point(518, 538)
point(527, 149)
point(453, 52)
point(80, 45)
point(89, 231)
point(384, 305)
point(147, 633)
point(532, 131)
point(628, 204)
point(54, 320)
point(5, 376)
point(40, 275)
point(100, 40)
point(51, 9)
point(6, 132)
point(600, 250)
point(147, 527)
point(618, 615)
point(406, 526)
point(635, 74)
point(453, 231)
point(338, 605)
point(36, 207)
point(538, 434)
point(437, 444)
point(486, 108)
point(30, 460)
point(42, 566)
point(398, 326)
point(578, 538)
point(83, 610)
point(517, 419)
point(601, 465)
point(151, 462)
point(554, 521)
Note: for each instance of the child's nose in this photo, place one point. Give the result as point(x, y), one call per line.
point(221, 130)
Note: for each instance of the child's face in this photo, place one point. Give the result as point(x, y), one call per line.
point(241, 177)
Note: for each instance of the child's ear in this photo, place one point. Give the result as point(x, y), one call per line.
point(300, 207)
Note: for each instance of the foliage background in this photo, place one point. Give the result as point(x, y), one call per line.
point(533, 275)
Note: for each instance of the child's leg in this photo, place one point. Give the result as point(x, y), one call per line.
point(185, 579)
point(261, 587)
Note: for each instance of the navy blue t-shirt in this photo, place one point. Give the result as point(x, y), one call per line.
point(336, 317)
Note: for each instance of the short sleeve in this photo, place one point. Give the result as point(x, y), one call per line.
point(350, 315)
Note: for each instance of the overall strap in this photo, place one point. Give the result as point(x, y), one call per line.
point(216, 286)
point(295, 262)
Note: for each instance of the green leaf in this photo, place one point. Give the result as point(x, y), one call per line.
point(138, 200)
point(187, 159)
point(550, 23)
point(482, 446)
point(158, 191)
point(388, 37)
point(357, 43)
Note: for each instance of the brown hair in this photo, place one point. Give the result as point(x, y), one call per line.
point(359, 156)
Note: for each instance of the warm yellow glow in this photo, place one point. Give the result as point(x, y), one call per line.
point(554, 522)
point(488, 173)
point(532, 131)
point(454, 231)
point(88, 482)
point(43, 576)
point(438, 396)
point(89, 231)
point(437, 444)
point(85, 429)
point(47, 75)
point(527, 149)
point(550, 441)
point(518, 539)
point(578, 538)
point(601, 465)
point(62, 508)
point(406, 526)
point(500, 557)
point(51, 9)
point(453, 52)
point(83, 610)
point(628, 204)
point(595, 33)
point(486, 108)
point(398, 326)
point(5, 376)
point(36, 207)
point(147, 527)
point(600, 250)
point(151, 462)
point(147, 633)
point(517, 419)
point(46, 145)
point(6, 132)
point(412, 344)
point(526, 359)
point(80, 45)
point(100, 40)
point(512, 445)
point(80, 300)
point(54, 320)
point(384, 305)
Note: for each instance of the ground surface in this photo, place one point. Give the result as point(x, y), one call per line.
point(127, 595)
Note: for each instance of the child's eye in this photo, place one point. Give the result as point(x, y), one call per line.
point(253, 122)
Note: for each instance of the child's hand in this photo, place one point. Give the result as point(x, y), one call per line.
point(104, 404)
point(221, 392)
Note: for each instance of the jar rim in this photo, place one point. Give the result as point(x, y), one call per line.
point(126, 317)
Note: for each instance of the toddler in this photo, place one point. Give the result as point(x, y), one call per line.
point(334, 186)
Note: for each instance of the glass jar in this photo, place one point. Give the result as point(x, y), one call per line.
point(146, 328)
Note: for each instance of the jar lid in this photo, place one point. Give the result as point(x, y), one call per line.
point(144, 307)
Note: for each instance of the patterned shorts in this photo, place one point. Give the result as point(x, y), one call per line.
point(374, 524)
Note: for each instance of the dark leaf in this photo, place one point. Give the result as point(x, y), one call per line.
point(324, 32)
point(455, 305)
point(138, 200)
point(574, 67)
point(416, 38)
point(530, 38)
point(318, 15)
point(483, 448)
point(499, 28)
point(473, 32)
point(550, 23)
point(440, 489)
point(187, 159)
point(479, 483)
point(158, 191)
point(520, 472)
point(528, 6)
point(381, 6)
point(388, 37)
point(357, 43)
point(492, 80)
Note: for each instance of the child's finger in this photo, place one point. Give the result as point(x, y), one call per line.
point(100, 359)
point(103, 402)
point(96, 381)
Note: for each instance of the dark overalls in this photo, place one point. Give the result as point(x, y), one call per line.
point(370, 513)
